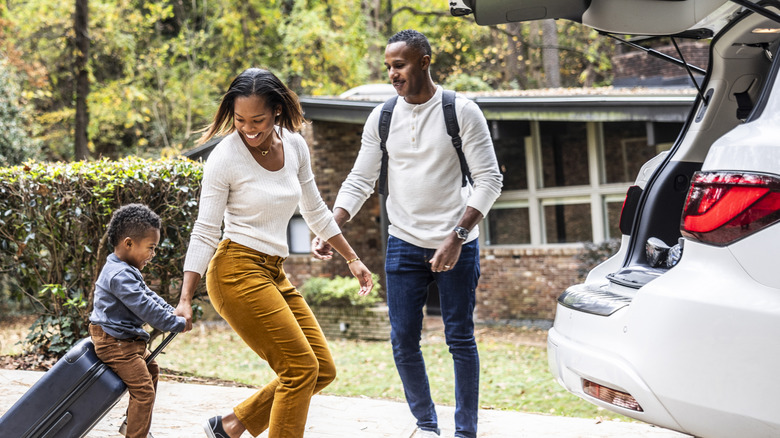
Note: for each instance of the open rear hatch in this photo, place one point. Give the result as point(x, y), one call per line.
point(655, 244)
point(636, 17)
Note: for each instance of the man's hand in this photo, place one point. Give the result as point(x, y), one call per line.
point(321, 249)
point(446, 255)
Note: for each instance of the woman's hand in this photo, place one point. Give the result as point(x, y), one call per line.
point(361, 272)
point(184, 309)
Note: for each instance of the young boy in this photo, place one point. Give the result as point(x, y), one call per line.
point(123, 303)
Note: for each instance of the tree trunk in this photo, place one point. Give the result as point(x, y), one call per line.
point(515, 66)
point(389, 22)
point(81, 28)
point(533, 49)
point(550, 59)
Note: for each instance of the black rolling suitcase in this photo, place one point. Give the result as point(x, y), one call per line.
point(70, 398)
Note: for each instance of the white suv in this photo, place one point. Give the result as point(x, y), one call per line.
point(681, 328)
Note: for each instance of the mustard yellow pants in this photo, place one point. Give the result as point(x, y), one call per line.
point(250, 290)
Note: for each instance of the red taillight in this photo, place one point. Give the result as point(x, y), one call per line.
point(724, 207)
point(611, 396)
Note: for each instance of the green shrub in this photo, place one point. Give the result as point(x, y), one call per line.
point(466, 82)
point(339, 291)
point(53, 218)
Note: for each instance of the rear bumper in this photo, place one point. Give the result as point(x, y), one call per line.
point(572, 361)
point(695, 347)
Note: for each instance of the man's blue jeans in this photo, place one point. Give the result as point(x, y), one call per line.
point(408, 276)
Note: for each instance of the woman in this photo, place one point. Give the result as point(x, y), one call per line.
point(253, 180)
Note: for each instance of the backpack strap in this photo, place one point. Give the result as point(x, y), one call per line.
point(384, 130)
point(453, 129)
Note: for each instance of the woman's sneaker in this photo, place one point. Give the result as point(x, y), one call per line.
point(214, 429)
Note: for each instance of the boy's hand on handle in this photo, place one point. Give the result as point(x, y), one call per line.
point(361, 272)
point(321, 249)
point(184, 310)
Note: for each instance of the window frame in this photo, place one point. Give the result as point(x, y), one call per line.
point(598, 193)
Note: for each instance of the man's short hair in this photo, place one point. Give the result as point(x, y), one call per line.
point(133, 221)
point(414, 39)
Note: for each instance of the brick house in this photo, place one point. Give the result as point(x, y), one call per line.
point(567, 156)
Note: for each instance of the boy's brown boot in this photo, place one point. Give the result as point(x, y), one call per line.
point(123, 430)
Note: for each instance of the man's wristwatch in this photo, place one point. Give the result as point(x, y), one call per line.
point(461, 233)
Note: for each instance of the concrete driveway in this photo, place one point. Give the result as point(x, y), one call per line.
point(182, 408)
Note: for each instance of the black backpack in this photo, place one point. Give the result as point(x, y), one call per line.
point(453, 129)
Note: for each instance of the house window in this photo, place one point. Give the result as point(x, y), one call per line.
point(628, 145)
point(508, 225)
point(566, 223)
point(298, 236)
point(509, 143)
point(564, 182)
point(614, 208)
point(564, 153)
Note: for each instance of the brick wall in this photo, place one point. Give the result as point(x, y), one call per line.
point(334, 147)
point(521, 285)
point(370, 324)
point(517, 286)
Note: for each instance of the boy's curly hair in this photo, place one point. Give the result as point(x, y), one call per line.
point(133, 221)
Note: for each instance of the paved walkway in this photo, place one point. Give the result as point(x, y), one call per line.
point(182, 407)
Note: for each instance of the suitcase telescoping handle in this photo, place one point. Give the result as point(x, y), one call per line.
point(167, 340)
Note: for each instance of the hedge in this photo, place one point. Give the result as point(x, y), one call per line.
point(340, 292)
point(53, 218)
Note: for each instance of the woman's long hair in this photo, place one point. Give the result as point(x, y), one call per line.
point(256, 82)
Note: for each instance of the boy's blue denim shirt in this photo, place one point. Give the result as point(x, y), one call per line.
point(123, 303)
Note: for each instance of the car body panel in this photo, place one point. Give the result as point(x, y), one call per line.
point(685, 383)
point(700, 341)
point(571, 360)
point(753, 146)
point(638, 17)
point(694, 343)
point(752, 256)
point(651, 17)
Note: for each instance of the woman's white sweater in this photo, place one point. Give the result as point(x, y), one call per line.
point(255, 204)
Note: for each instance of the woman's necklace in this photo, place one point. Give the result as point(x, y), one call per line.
point(270, 146)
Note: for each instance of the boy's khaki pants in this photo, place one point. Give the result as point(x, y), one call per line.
point(127, 358)
point(251, 291)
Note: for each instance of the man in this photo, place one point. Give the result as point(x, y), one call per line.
point(433, 218)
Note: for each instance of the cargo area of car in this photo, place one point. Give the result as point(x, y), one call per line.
point(741, 65)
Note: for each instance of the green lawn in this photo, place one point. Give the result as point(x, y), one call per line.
point(513, 376)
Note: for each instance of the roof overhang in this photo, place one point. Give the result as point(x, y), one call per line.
point(602, 108)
